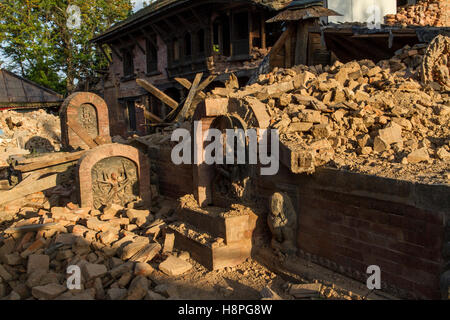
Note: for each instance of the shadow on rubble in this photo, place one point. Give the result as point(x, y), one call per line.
point(35, 254)
point(38, 145)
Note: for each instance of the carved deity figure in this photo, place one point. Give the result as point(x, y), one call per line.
point(114, 180)
point(282, 221)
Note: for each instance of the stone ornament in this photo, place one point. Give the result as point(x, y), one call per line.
point(113, 174)
point(282, 221)
point(84, 121)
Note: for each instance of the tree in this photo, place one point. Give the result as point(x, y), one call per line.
point(43, 41)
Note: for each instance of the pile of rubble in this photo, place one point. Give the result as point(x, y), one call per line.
point(113, 249)
point(121, 254)
point(361, 116)
point(424, 13)
point(28, 132)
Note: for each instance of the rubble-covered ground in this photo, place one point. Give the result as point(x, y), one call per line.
point(123, 253)
point(25, 132)
point(364, 117)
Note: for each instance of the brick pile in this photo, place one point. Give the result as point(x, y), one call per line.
point(425, 13)
point(28, 132)
point(361, 116)
point(116, 250)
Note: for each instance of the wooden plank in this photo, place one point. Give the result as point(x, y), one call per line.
point(206, 82)
point(152, 117)
point(48, 161)
point(287, 53)
point(280, 42)
point(29, 188)
point(190, 97)
point(4, 185)
point(157, 93)
point(75, 126)
point(201, 87)
point(187, 84)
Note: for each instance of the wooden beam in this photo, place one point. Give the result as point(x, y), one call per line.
point(157, 30)
point(75, 126)
point(48, 161)
point(187, 25)
point(190, 97)
point(149, 115)
point(113, 49)
point(301, 45)
point(280, 42)
point(136, 43)
point(29, 188)
point(148, 37)
point(157, 93)
point(200, 21)
point(152, 117)
point(187, 84)
point(206, 82)
point(105, 54)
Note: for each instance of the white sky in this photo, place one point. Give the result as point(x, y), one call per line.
point(139, 4)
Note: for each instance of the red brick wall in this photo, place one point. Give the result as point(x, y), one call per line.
point(348, 221)
point(173, 180)
point(347, 227)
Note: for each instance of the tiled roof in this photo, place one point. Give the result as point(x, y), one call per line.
point(161, 5)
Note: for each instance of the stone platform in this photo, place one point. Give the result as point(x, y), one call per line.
point(228, 241)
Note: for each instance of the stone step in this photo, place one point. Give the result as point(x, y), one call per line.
point(232, 226)
point(206, 250)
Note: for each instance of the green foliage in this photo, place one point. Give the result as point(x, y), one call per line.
point(35, 38)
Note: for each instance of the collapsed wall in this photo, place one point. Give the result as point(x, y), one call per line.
point(28, 132)
point(425, 13)
point(361, 116)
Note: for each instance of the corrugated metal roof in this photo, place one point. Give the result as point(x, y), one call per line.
point(17, 90)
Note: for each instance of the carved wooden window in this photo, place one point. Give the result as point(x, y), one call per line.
point(152, 55)
point(128, 61)
point(187, 45)
point(176, 50)
point(201, 42)
point(240, 34)
point(131, 113)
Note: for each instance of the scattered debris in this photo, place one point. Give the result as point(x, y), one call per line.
point(361, 116)
point(423, 13)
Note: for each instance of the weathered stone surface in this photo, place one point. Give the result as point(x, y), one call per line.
point(418, 155)
point(143, 269)
point(91, 270)
point(116, 294)
point(151, 295)
point(4, 274)
point(138, 288)
point(169, 242)
point(391, 134)
point(268, 294)
point(305, 290)
point(173, 266)
point(131, 249)
point(38, 262)
point(48, 292)
point(299, 127)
